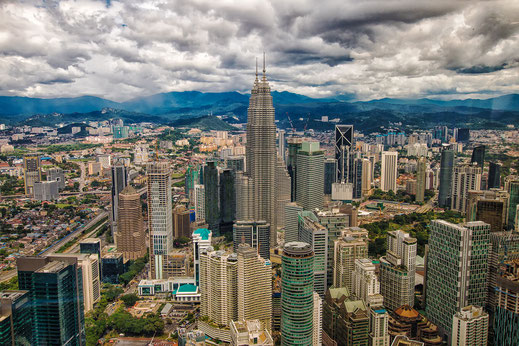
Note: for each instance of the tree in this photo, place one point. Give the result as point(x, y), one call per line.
point(129, 299)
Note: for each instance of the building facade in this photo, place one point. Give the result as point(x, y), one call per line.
point(129, 235)
point(389, 171)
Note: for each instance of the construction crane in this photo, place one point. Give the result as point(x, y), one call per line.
point(291, 124)
point(307, 120)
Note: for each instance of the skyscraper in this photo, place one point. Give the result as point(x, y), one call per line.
point(367, 174)
point(282, 194)
point(119, 182)
point(488, 206)
point(315, 234)
point(505, 311)
point(294, 144)
point(389, 171)
point(343, 149)
point(464, 179)
point(347, 250)
point(330, 174)
point(199, 202)
point(457, 265)
point(57, 175)
point(494, 176)
point(310, 170)
point(357, 178)
point(212, 193)
point(253, 233)
point(470, 327)
point(15, 318)
point(31, 172)
point(420, 179)
point(254, 284)
point(130, 237)
point(478, 156)
point(56, 291)
point(227, 200)
point(512, 186)
point(160, 216)
point(297, 298)
point(244, 202)
point(261, 150)
point(281, 144)
point(181, 222)
point(397, 270)
point(292, 221)
point(446, 168)
point(201, 241)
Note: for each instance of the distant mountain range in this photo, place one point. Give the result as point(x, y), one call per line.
point(292, 109)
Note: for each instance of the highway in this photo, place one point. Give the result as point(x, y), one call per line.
point(75, 234)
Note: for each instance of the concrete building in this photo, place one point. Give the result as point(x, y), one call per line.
point(465, 178)
point(318, 320)
point(457, 266)
point(330, 174)
point(181, 223)
point(250, 332)
point(130, 236)
point(470, 327)
point(160, 216)
point(406, 321)
point(345, 320)
point(512, 187)
point(315, 234)
point(283, 184)
point(397, 270)
point(506, 311)
point(346, 251)
point(94, 168)
point(255, 234)
point(244, 202)
point(297, 297)
point(31, 172)
point(389, 171)
point(45, 190)
point(281, 144)
point(58, 175)
point(227, 200)
point(310, 173)
point(254, 286)
point(367, 173)
point(199, 202)
point(446, 169)
point(212, 197)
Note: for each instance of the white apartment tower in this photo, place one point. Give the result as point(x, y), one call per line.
point(470, 327)
point(318, 320)
point(199, 202)
point(389, 171)
point(464, 179)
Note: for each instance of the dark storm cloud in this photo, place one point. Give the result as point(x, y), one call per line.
point(371, 49)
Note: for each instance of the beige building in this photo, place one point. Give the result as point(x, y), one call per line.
point(470, 327)
point(254, 286)
point(130, 237)
point(346, 250)
point(250, 332)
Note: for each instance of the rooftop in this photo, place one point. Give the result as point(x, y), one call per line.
point(203, 233)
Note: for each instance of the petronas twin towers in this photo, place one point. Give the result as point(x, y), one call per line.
point(261, 153)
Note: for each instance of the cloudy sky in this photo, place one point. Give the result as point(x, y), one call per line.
point(370, 49)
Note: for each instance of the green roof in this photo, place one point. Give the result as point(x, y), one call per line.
point(203, 233)
point(188, 288)
point(351, 306)
point(336, 293)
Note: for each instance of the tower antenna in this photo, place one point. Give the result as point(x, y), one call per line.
point(263, 63)
point(256, 67)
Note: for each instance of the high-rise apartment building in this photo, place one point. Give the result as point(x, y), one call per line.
point(294, 144)
point(446, 169)
point(389, 171)
point(201, 241)
point(315, 234)
point(130, 236)
point(318, 320)
point(470, 327)
point(160, 216)
point(31, 172)
point(464, 179)
point(490, 206)
point(346, 250)
point(457, 265)
point(119, 182)
point(249, 332)
point(367, 174)
point(199, 202)
point(310, 172)
point(227, 200)
point(56, 293)
point(15, 318)
point(281, 144)
point(261, 151)
point(330, 174)
point(397, 270)
point(254, 286)
point(254, 233)
point(506, 310)
point(297, 298)
point(45, 190)
point(420, 179)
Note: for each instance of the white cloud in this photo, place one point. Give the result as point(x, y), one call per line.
point(373, 48)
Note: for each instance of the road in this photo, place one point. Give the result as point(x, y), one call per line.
point(75, 233)
point(427, 206)
point(82, 178)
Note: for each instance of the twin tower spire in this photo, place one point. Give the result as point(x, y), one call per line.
point(264, 70)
